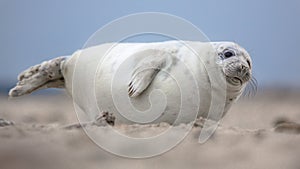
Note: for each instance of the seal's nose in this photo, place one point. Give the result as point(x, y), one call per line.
point(242, 69)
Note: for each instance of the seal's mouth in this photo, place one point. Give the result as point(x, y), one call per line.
point(236, 73)
point(237, 80)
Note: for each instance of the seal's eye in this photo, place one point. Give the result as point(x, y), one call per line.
point(229, 53)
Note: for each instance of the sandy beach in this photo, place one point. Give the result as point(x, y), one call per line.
point(258, 132)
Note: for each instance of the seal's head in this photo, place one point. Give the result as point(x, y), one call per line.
point(236, 63)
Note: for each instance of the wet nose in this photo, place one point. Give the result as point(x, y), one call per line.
point(242, 68)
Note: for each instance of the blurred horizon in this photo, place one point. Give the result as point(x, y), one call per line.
point(34, 31)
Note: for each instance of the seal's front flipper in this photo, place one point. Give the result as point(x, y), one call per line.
point(145, 72)
point(44, 75)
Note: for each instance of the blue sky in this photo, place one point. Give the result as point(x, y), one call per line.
point(32, 31)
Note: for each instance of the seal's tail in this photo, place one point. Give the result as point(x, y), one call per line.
point(45, 75)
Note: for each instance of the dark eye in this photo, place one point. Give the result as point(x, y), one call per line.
point(229, 53)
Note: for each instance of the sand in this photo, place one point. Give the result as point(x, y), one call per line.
point(258, 132)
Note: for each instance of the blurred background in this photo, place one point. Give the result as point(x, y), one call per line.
point(33, 31)
point(262, 131)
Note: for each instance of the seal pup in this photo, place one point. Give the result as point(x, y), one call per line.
point(122, 74)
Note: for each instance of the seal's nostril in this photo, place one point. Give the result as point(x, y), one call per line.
point(243, 67)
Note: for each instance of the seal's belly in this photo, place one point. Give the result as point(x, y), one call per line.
point(165, 100)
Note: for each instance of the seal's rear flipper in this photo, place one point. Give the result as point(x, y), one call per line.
point(45, 75)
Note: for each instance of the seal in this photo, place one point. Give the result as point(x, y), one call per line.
point(122, 74)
